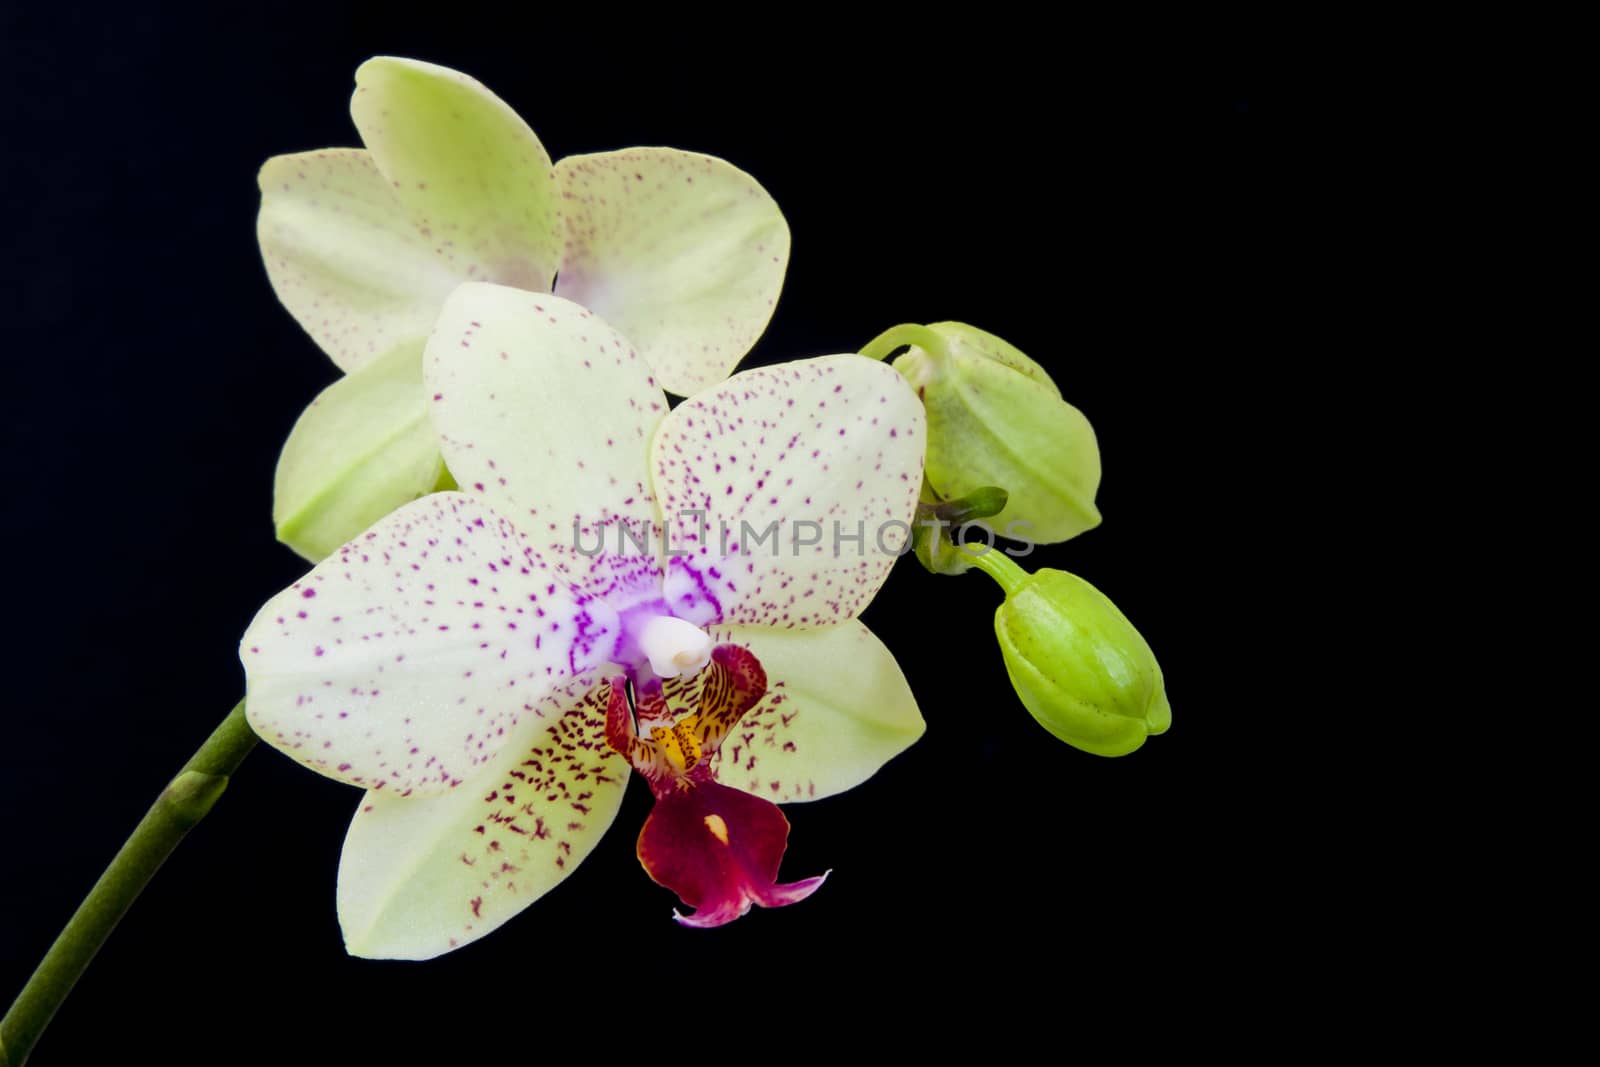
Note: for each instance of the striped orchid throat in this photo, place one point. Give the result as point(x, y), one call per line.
point(490, 664)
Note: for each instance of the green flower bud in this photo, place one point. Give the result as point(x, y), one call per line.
point(996, 418)
point(364, 447)
point(1078, 664)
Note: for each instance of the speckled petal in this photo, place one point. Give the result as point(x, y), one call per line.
point(474, 179)
point(684, 253)
point(405, 661)
point(547, 412)
point(423, 875)
point(789, 490)
point(837, 708)
point(363, 448)
point(344, 257)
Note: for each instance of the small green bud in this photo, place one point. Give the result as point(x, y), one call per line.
point(1078, 664)
point(996, 418)
point(364, 447)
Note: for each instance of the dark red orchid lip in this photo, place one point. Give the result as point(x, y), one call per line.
point(717, 847)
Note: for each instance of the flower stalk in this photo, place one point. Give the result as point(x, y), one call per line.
point(907, 334)
point(182, 804)
point(1000, 567)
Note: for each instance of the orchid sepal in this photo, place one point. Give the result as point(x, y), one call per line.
point(362, 449)
point(421, 876)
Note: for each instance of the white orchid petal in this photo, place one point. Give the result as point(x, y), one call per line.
point(790, 489)
point(547, 412)
point(837, 708)
point(420, 876)
point(472, 176)
point(344, 258)
point(684, 253)
point(405, 661)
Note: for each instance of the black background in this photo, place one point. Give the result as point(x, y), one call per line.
point(1108, 209)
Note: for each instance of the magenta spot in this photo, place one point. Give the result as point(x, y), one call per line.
point(308, 593)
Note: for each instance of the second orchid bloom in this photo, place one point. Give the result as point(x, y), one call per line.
point(605, 592)
point(683, 253)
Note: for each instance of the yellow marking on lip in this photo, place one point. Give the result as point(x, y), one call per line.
point(678, 745)
point(718, 828)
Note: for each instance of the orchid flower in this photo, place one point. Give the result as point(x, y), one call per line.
point(684, 253)
point(617, 584)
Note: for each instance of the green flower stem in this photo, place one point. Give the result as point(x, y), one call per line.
point(899, 337)
point(997, 565)
point(184, 802)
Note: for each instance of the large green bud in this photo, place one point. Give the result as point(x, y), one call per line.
point(996, 419)
point(1076, 662)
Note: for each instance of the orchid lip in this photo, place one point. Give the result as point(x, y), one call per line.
point(717, 847)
